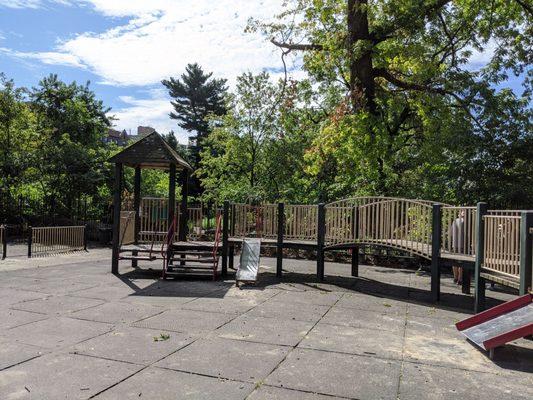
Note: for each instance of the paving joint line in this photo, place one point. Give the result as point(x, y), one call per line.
point(296, 345)
point(170, 354)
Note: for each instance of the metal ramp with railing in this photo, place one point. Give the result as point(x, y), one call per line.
point(494, 245)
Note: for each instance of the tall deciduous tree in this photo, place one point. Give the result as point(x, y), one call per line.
point(404, 72)
point(71, 125)
point(256, 151)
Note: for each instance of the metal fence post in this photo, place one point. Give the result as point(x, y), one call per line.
point(526, 253)
point(4, 242)
point(355, 249)
point(320, 242)
point(281, 232)
point(85, 237)
point(436, 241)
point(479, 282)
point(225, 238)
point(30, 238)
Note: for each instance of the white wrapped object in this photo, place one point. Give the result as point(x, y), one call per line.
point(249, 260)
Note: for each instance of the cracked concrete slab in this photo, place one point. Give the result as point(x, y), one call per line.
point(265, 330)
point(432, 383)
point(10, 296)
point(12, 318)
point(230, 359)
point(225, 305)
point(105, 292)
point(335, 374)
point(162, 384)
point(315, 297)
point(364, 319)
point(57, 305)
point(185, 321)
point(55, 286)
point(134, 345)
point(117, 312)
point(57, 332)
point(61, 376)
point(265, 392)
point(273, 308)
point(347, 339)
point(12, 353)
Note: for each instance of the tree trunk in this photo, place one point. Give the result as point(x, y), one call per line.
point(362, 86)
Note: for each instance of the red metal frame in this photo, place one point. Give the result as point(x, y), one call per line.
point(169, 240)
point(494, 312)
point(507, 337)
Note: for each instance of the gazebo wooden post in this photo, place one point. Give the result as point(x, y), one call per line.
point(116, 217)
point(171, 193)
point(184, 214)
point(136, 208)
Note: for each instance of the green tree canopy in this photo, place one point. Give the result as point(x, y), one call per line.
point(407, 110)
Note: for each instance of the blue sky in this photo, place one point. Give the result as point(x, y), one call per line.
point(126, 47)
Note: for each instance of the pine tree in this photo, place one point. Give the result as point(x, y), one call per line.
point(195, 96)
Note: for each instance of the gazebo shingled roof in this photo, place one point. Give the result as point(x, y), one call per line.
point(150, 152)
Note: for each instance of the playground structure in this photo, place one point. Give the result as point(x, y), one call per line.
point(494, 245)
point(149, 152)
point(158, 228)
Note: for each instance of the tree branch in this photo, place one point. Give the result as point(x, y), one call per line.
point(382, 72)
point(296, 46)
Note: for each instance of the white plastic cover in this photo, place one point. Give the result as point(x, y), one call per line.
point(249, 261)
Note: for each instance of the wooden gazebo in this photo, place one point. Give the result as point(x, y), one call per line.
point(149, 152)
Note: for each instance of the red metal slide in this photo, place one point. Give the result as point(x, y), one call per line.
point(501, 324)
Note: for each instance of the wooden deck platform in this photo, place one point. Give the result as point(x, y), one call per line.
point(402, 245)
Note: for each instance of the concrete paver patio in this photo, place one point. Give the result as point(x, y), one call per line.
point(72, 330)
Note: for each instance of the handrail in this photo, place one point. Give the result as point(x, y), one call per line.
point(382, 198)
point(169, 240)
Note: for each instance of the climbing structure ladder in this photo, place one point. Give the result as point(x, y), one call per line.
point(192, 258)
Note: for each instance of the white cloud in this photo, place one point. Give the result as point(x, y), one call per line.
point(46, 57)
point(162, 36)
point(152, 111)
point(21, 3)
point(30, 3)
